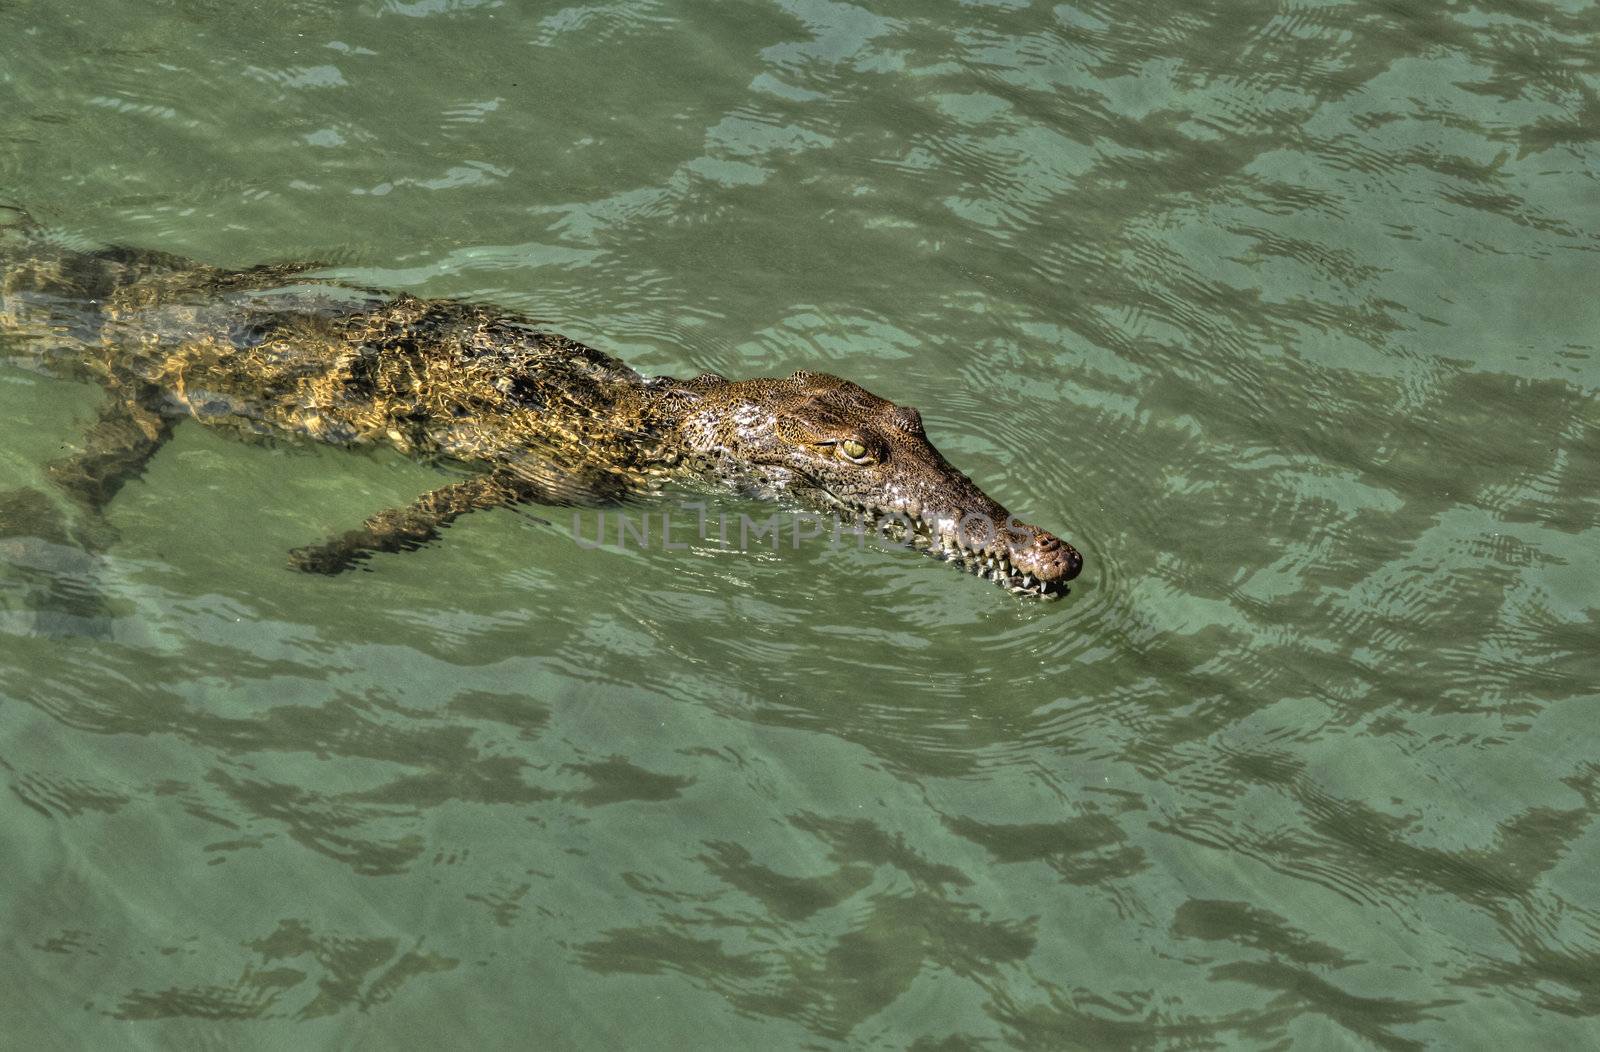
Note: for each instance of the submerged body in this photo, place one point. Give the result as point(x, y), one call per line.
point(532, 416)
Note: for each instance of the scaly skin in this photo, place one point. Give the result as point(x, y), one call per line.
point(532, 416)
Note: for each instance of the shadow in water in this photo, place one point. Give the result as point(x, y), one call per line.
point(50, 570)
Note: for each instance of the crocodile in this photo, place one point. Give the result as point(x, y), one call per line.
point(515, 414)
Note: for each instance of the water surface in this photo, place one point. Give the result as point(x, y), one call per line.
point(1284, 313)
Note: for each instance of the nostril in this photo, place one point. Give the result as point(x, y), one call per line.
point(1074, 563)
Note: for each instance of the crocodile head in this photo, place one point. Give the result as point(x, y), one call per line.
point(828, 444)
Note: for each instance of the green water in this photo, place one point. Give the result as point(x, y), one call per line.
point(1284, 313)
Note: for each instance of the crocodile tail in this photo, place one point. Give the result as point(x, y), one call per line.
point(48, 292)
point(163, 274)
point(21, 235)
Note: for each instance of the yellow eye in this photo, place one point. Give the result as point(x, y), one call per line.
point(852, 449)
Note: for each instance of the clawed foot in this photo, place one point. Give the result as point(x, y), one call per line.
point(32, 513)
point(49, 569)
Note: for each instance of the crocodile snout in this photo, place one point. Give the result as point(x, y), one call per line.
point(1047, 557)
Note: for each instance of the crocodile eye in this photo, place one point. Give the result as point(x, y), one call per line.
point(850, 449)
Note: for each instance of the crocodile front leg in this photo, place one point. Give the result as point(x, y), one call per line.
point(115, 450)
point(410, 527)
point(57, 552)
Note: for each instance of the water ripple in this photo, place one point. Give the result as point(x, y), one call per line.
point(1280, 312)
